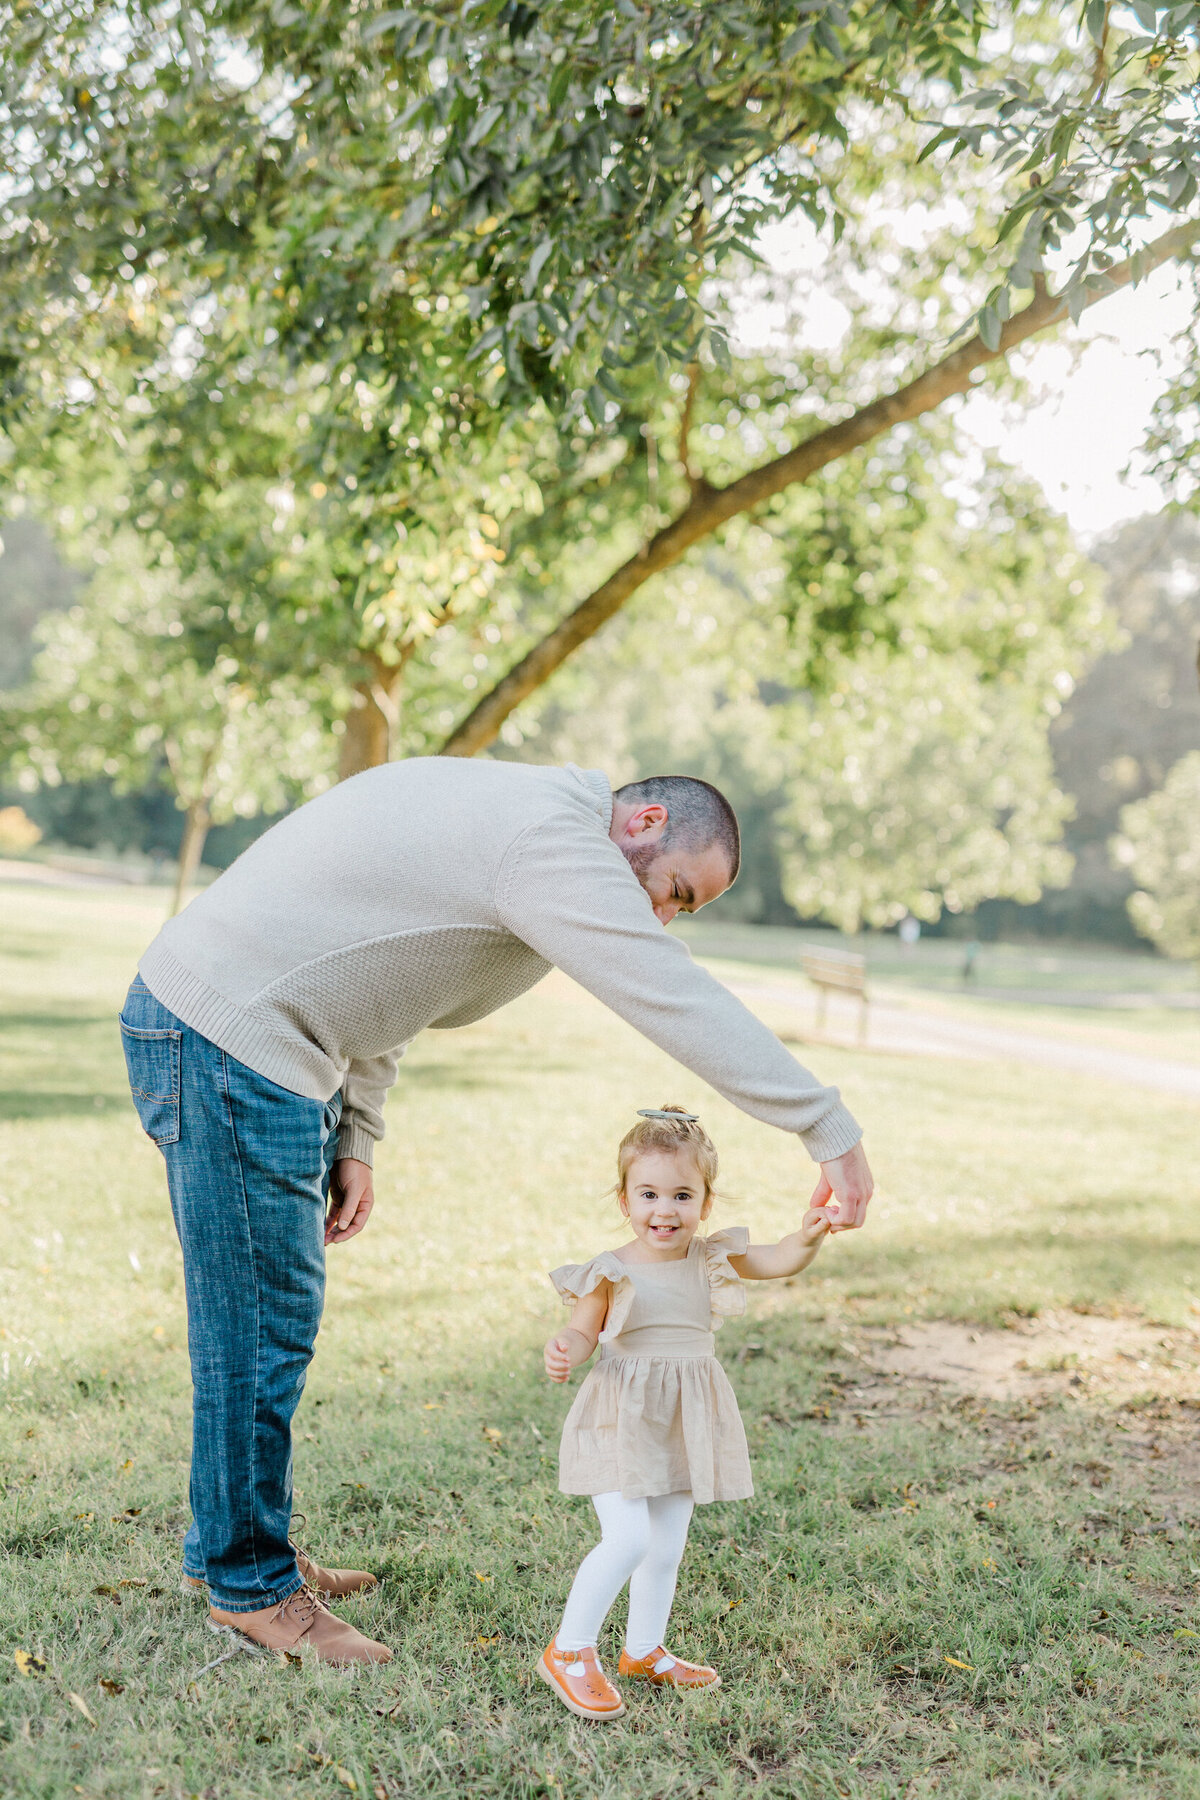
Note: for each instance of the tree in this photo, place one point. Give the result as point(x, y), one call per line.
point(1159, 844)
point(118, 692)
point(498, 224)
point(1134, 714)
point(887, 782)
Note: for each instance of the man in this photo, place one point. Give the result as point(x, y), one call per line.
point(264, 1030)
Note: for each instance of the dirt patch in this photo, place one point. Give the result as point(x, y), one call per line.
point(1137, 1386)
point(1057, 1353)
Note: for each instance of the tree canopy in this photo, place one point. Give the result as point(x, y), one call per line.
point(433, 289)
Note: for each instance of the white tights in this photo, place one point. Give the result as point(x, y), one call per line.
point(642, 1542)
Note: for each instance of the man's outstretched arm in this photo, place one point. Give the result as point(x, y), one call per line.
point(572, 897)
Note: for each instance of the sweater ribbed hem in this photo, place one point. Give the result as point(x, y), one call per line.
point(300, 1067)
point(832, 1135)
point(355, 1141)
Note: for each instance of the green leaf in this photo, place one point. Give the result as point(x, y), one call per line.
point(1095, 13)
point(989, 327)
point(536, 264)
point(385, 22)
point(560, 81)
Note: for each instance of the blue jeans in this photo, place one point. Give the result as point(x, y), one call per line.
point(248, 1167)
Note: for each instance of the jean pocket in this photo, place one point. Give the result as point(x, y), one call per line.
point(152, 1059)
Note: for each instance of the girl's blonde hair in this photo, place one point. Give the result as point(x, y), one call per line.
point(685, 1133)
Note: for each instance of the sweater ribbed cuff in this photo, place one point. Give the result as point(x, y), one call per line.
point(354, 1141)
point(832, 1135)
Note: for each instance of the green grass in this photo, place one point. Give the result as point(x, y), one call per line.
point(880, 1543)
point(935, 964)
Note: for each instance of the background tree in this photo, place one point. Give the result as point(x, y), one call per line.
point(118, 692)
point(1160, 845)
point(875, 782)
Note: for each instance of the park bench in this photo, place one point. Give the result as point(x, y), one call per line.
point(839, 971)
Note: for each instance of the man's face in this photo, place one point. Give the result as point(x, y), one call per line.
point(676, 879)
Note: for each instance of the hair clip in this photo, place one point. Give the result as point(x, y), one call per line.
point(659, 1112)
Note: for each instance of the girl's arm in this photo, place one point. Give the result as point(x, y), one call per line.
point(576, 1341)
point(768, 1262)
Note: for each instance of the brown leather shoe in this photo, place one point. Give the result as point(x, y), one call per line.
point(661, 1669)
point(580, 1682)
point(331, 1584)
point(303, 1625)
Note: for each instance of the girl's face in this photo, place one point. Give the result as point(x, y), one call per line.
point(664, 1200)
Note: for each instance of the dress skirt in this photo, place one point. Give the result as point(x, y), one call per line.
point(647, 1425)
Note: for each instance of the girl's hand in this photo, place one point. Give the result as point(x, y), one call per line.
point(557, 1358)
point(817, 1222)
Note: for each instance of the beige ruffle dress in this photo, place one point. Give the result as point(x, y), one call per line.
point(656, 1414)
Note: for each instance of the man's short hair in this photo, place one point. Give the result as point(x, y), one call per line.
point(698, 815)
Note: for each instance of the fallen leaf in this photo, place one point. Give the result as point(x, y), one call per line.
point(133, 1581)
point(485, 1643)
point(493, 1434)
point(1184, 1632)
point(732, 1604)
point(127, 1517)
point(955, 1664)
point(81, 1705)
point(481, 1577)
point(110, 1686)
point(29, 1664)
point(127, 1464)
point(433, 1406)
point(346, 1778)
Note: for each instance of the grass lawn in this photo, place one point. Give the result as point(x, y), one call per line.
point(932, 1592)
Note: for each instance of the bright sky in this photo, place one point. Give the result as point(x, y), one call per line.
point(1094, 405)
point(1096, 383)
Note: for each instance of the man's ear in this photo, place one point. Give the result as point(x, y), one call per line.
point(646, 818)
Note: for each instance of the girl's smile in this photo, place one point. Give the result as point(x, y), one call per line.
point(665, 1201)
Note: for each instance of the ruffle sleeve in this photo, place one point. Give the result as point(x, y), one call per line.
point(574, 1280)
point(726, 1295)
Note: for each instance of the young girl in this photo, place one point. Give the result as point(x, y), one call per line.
point(655, 1428)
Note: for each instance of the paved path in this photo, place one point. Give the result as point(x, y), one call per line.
point(934, 1034)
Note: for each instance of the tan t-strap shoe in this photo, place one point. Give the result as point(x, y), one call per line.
point(331, 1584)
point(661, 1669)
point(302, 1625)
point(580, 1682)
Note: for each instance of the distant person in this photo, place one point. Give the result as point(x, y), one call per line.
point(909, 932)
point(264, 1030)
point(970, 958)
point(655, 1429)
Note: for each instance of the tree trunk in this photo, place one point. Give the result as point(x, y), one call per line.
point(709, 507)
point(373, 716)
point(195, 829)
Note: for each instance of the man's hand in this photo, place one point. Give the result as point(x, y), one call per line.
point(846, 1184)
point(351, 1197)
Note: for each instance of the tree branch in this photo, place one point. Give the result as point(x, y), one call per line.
point(710, 508)
point(695, 481)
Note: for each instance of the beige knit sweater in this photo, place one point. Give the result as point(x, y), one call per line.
point(429, 893)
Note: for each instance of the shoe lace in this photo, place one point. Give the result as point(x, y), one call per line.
point(304, 1606)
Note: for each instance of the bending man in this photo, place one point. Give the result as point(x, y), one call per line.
point(264, 1030)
